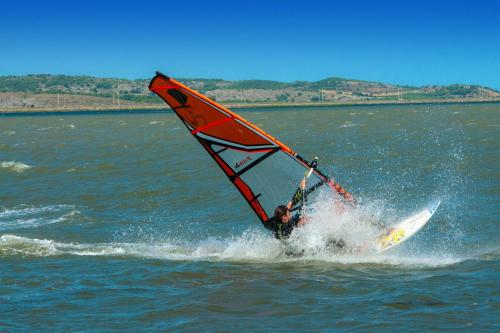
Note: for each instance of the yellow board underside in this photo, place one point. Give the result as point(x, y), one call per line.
point(393, 236)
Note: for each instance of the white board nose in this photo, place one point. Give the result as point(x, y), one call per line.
point(434, 207)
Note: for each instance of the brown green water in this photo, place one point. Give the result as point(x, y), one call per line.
point(121, 222)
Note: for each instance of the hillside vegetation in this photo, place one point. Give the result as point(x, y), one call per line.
point(25, 91)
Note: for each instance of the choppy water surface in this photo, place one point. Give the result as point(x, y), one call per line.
point(122, 222)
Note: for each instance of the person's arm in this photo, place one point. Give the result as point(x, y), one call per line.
point(298, 195)
point(299, 221)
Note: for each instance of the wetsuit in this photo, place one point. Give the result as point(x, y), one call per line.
point(282, 230)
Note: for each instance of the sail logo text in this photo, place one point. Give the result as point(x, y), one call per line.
point(242, 162)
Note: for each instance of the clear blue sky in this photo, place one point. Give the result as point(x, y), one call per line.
point(404, 42)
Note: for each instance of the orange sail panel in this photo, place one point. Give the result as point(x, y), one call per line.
point(264, 170)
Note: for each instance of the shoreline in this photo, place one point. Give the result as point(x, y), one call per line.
point(161, 108)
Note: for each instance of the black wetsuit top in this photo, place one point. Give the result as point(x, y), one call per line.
point(282, 230)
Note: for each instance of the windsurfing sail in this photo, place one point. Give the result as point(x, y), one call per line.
point(265, 171)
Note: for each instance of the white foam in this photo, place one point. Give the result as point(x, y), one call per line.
point(15, 166)
point(16, 245)
point(348, 124)
point(249, 247)
point(29, 210)
point(309, 243)
point(328, 218)
point(33, 217)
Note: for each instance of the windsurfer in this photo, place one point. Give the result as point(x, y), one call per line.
point(283, 223)
point(242, 149)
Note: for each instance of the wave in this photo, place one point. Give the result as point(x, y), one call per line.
point(33, 217)
point(348, 124)
point(490, 254)
point(307, 244)
point(17, 245)
point(249, 247)
point(15, 166)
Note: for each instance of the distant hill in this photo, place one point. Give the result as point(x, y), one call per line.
point(26, 91)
